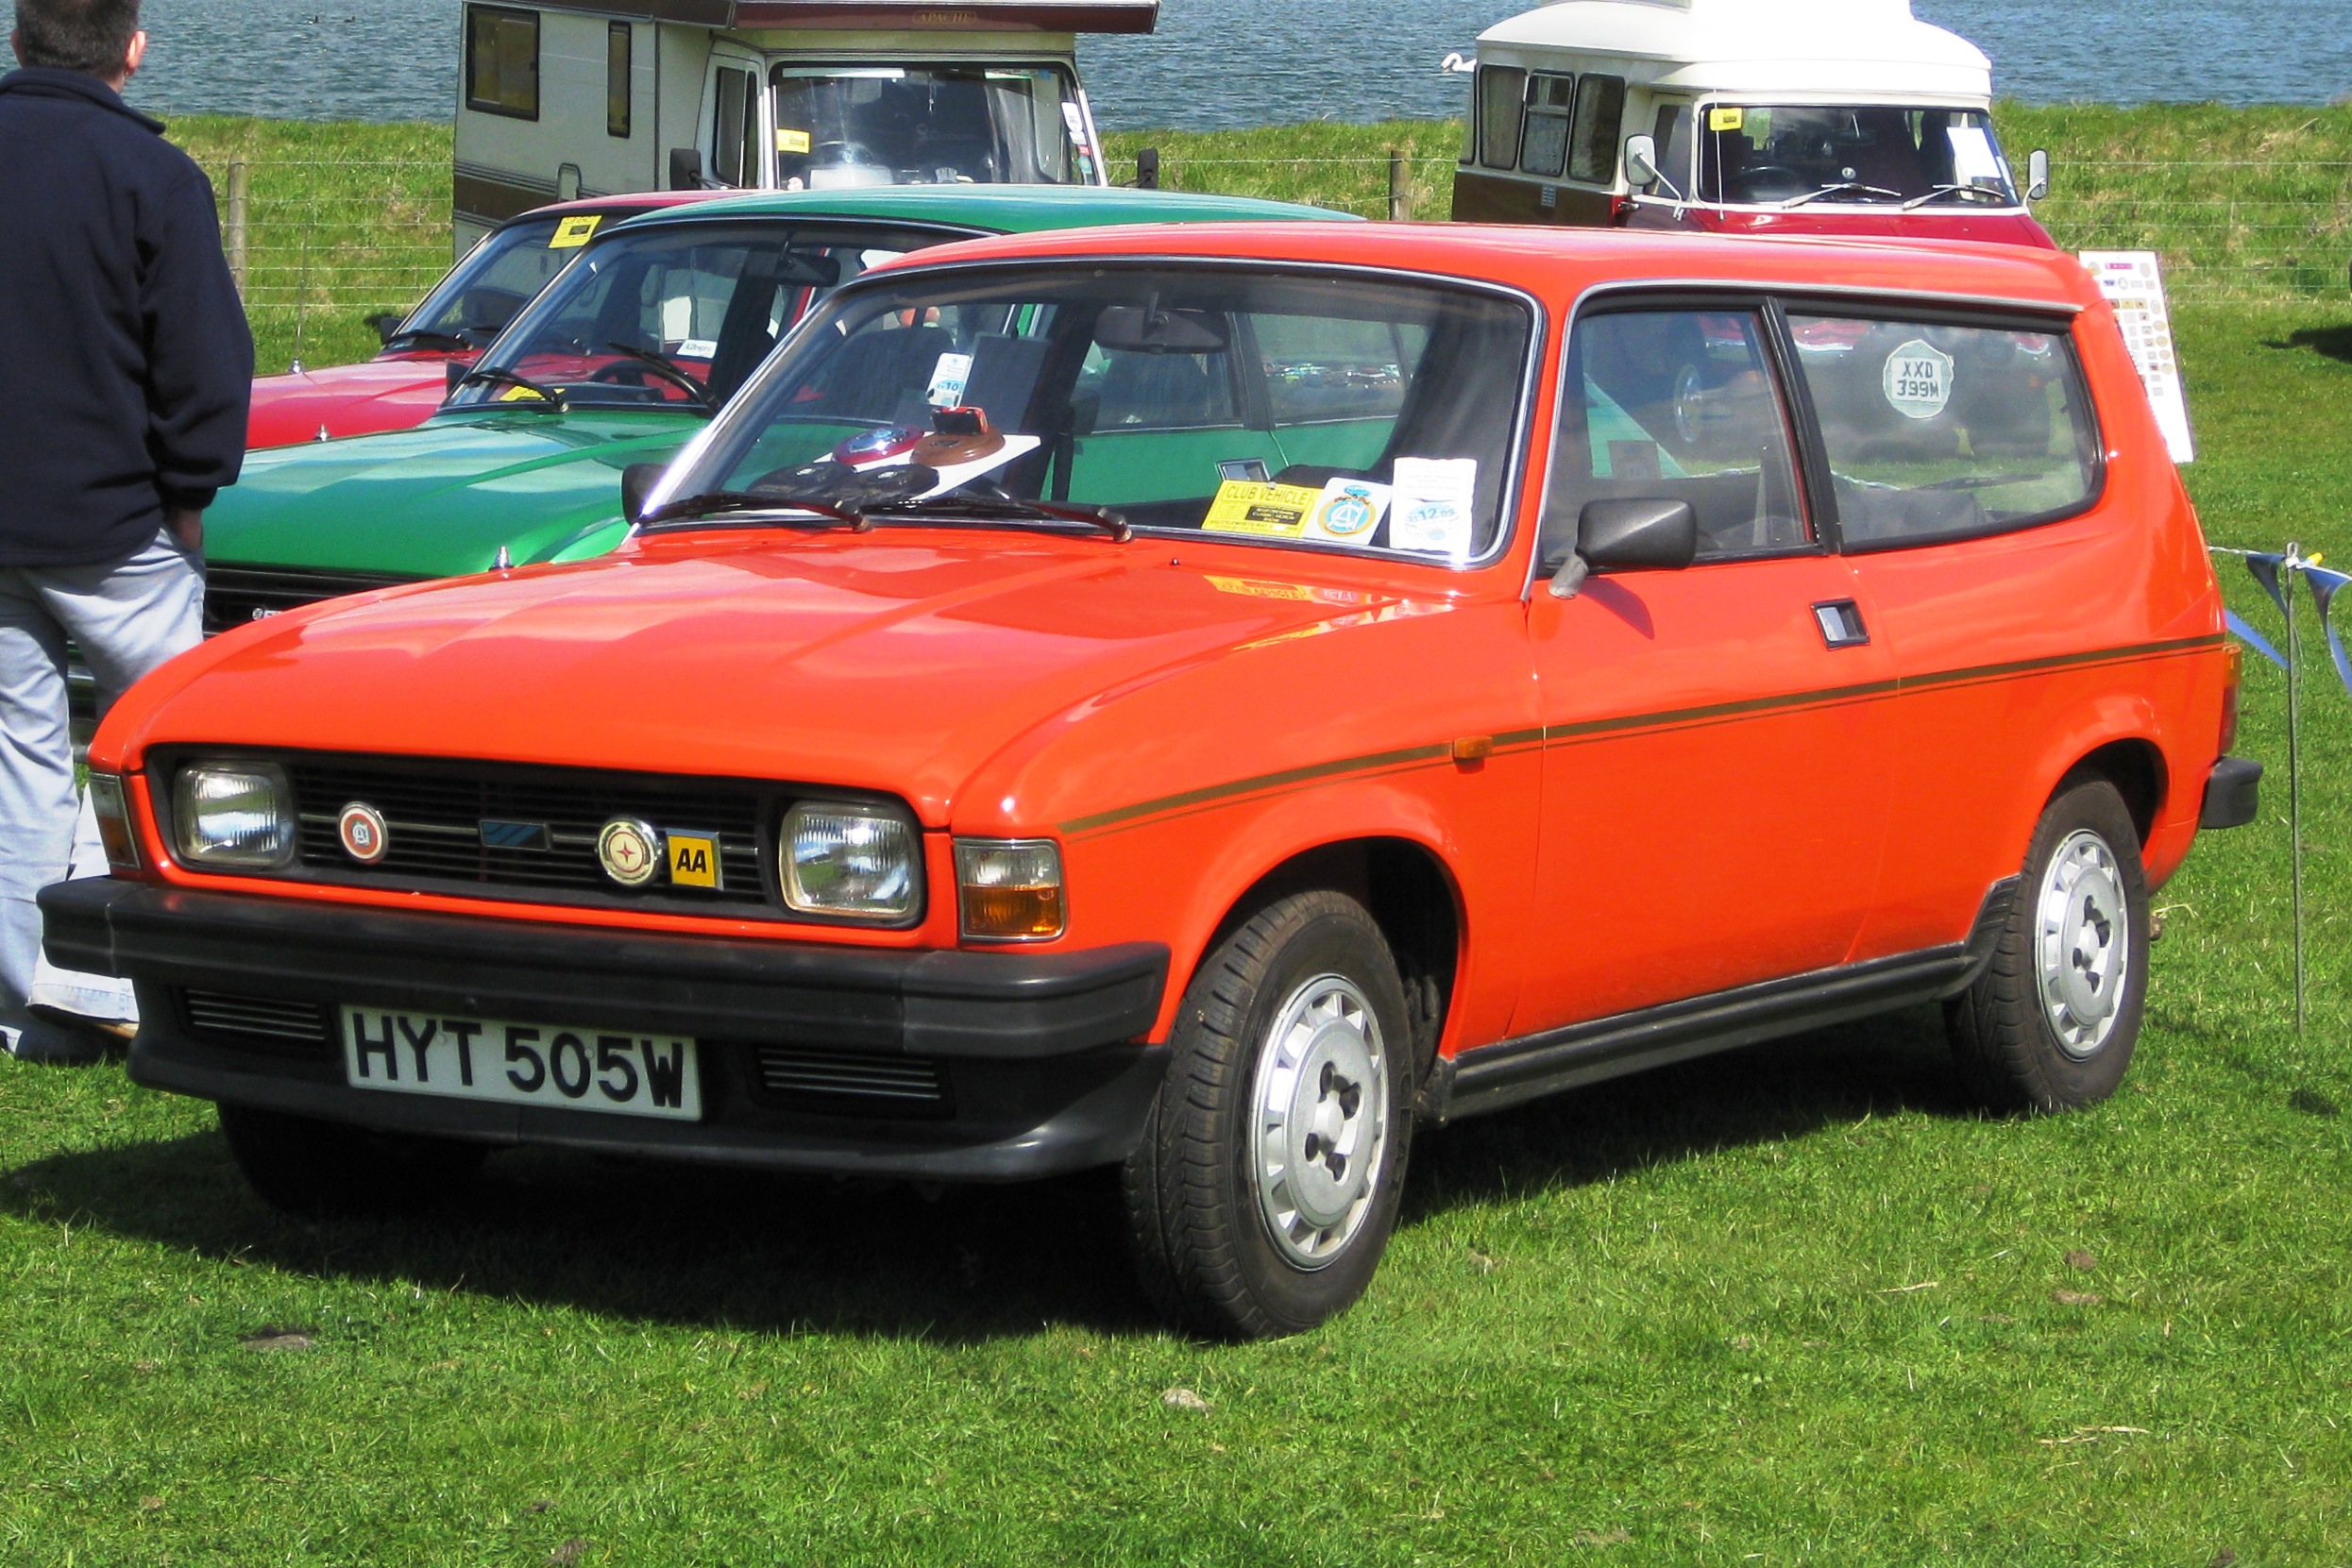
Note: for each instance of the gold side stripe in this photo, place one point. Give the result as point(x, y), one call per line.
point(1518, 739)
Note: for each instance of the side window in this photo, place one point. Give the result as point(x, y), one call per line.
point(735, 128)
point(1677, 405)
point(1673, 138)
point(1503, 97)
point(619, 45)
point(1550, 101)
point(1600, 115)
point(1330, 369)
point(502, 62)
point(1937, 432)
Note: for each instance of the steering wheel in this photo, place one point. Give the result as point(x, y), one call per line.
point(837, 154)
point(1746, 181)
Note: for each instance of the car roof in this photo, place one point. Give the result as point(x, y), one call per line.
point(1559, 263)
point(629, 202)
point(999, 209)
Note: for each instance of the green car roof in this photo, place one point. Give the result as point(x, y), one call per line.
point(1005, 209)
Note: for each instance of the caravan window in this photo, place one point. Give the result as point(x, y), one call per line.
point(502, 62)
point(1772, 155)
point(927, 125)
point(1600, 113)
point(1550, 100)
point(619, 43)
point(1502, 95)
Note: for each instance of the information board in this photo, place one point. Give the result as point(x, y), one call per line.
point(2133, 280)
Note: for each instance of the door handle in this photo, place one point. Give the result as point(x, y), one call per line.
point(1840, 620)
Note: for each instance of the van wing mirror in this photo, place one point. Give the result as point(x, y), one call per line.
point(1641, 160)
point(637, 482)
point(1629, 535)
point(2036, 174)
point(686, 169)
point(1140, 330)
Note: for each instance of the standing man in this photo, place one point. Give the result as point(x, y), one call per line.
point(125, 368)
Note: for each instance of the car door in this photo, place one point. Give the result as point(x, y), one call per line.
point(1715, 770)
point(735, 135)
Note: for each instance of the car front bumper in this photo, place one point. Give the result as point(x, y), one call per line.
point(1038, 1058)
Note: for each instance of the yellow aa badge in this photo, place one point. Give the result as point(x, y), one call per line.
point(694, 860)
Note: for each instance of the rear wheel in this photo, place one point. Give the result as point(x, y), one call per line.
point(1267, 1181)
point(322, 1169)
point(2051, 1023)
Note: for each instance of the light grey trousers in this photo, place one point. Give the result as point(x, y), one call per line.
point(127, 617)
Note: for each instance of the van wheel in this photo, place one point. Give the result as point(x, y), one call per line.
point(326, 1170)
point(1266, 1183)
point(2051, 1023)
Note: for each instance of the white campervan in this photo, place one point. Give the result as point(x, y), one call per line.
point(1739, 116)
point(602, 97)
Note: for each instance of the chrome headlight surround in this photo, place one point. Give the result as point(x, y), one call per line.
point(110, 804)
point(850, 860)
point(231, 815)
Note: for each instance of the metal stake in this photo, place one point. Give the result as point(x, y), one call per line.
point(2294, 774)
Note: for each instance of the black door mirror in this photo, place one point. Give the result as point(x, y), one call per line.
point(386, 323)
point(686, 169)
point(1629, 535)
point(637, 482)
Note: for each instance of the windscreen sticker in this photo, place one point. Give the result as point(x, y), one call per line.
point(1973, 160)
point(1070, 117)
point(793, 141)
point(521, 395)
point(1434, 505)
point(1269, 510)
point(1919, 379)
point(1348, 512)
point(948, 379)
point(1726, 119)
point(572, 234)
point(697, 348)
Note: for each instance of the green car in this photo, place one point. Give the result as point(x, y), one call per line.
point(622, 360)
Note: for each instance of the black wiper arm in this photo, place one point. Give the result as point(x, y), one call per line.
point(1832, 190)
point(719, 502)
point(423, 338)
point(670, 371)
point(1942, 191)
point(1102, 517)
point(496, 375)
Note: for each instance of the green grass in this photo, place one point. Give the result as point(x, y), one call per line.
point(1791, 1306)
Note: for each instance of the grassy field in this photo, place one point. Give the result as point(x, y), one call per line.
point(1793, 1305)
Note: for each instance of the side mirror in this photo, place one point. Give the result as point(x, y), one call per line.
point(1629, 535)
point(2036, 174)
point(567, 182)
point(386, 323)
point(686, 169)
point(637, 482)
point(1147, 168)
point(1641, 160)
point(453, 372)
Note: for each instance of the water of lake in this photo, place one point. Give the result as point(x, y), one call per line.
point(1221, 63)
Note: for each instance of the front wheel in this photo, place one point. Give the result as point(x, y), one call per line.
point(2051, 1023)
point(325, 1169)
point(1267, 1181)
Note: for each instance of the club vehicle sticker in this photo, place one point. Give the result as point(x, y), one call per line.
point(1268, 510)
point(1348, 512)
point(571, 233)
point(793, 141)
point(1917, 381)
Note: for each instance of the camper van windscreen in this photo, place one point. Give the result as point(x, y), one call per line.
point(1753, 154)
point(928, 125)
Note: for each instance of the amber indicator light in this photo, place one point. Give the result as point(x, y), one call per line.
point(2233, 676)
point(1009, 889)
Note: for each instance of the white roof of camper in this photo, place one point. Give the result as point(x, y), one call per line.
point(1804, 49)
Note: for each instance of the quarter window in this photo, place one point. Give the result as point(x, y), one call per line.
point(1502, 97)
point(1677, 405)
point(1550, 101)
point(502, 62)
point(1599, 112)
point(1936, 431)
point(620, 44)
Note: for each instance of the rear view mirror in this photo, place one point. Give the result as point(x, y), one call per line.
point(1138, 330)
point(1629, 535)
point(686, 169)
point(2037, 175)
point(637, 482)
point(1641, 160)
point(809, 269)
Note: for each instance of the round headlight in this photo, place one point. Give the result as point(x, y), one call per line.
point(853, 860)
point(238, 815)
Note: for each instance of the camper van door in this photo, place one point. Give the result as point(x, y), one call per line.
point(735, 139)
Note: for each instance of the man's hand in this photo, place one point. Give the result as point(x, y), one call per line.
point(188, 527)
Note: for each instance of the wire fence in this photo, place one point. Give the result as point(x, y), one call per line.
point(321, 244)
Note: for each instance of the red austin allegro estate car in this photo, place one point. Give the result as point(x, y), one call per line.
point(1207, 702)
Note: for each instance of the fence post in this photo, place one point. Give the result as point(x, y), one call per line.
point(237, 223)
point(1399, 186)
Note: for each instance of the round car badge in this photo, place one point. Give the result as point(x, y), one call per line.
point(364, 837)
point(869, 447)
point(630, 851)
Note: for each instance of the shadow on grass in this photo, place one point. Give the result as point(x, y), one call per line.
point(757, 1253)
point(2334, 343)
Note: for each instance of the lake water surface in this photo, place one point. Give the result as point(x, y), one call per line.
point(1221, 63)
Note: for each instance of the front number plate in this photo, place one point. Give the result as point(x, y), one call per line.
point(522, 1064)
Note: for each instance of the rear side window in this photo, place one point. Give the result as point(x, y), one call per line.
point(1503, 97)
point(502, 62)
point(1936, 431)
point(1550, 100)
point(1593, 152)
point(1677, 405)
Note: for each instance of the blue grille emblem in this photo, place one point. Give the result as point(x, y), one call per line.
point(514, 836)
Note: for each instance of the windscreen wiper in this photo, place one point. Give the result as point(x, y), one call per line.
point(496, 375)
point(425, 338)
point(1014, 508)
point(1942, 191)
point(1832, 190)
point(672, 372)
point(716, 503)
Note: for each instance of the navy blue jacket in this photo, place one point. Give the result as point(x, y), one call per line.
point(126, 365)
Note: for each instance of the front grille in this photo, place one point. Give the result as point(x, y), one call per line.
point(235, 594)
point(258, 1023)
point(850, 1083)
point(434, 816)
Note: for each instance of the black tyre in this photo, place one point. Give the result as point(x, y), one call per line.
point(1267, 1181)
point(324, 1170)
point(2051, 1023)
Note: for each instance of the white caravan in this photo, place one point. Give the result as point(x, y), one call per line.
point(601, 96)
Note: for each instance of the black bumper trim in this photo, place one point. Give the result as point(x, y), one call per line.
point(2233, 793)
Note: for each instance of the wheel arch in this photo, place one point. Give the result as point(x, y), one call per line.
point(2137, 770)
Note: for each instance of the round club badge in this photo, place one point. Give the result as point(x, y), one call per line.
point(630, 851)
point(364, 837)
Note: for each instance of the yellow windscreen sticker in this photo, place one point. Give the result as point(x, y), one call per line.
point(791, 141)
point(1726, 119)
point(574, 232)
point(520, 395)
point(1274, 511)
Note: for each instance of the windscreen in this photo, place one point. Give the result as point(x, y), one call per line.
point(1797, 155)
point(1314, 410)
point(930, 125)
point(486, 290)
point(674, 315)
